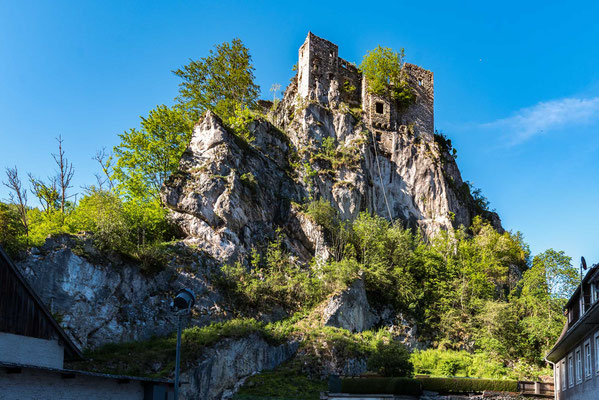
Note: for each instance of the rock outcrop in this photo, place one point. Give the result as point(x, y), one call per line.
point(216, 375)
point(110, 300)
point(350, 309)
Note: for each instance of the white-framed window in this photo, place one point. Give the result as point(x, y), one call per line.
point(570, 370)
point(563, 377)
point(588, 359)
point(595, 291)
point(578, 365)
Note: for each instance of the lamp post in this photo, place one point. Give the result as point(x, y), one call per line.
point(182, 303)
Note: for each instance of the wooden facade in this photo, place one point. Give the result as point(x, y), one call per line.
point(23, 313)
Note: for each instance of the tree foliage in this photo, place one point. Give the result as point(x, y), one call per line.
point(383, 69)
point(222, 82)
point(148, 155)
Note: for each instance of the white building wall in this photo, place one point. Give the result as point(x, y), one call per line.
point(30, 351)
point(45, 385)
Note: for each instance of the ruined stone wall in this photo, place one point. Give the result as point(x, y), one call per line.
point(421, 113)
point(350, 83)
point(329, 80)
point(379, 109)
point(318, 67)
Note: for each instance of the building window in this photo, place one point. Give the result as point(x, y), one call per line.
point(378, 106)
point(563, 377)
point(588, 359)
point(595, 291)
point(578, 366)
point(570, 371)
point(420, 82)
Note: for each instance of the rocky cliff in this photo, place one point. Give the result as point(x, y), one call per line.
point(231, 195)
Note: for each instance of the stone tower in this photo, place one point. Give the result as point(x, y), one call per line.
point(323, 76)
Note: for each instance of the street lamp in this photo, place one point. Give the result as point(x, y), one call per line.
point(181, 305)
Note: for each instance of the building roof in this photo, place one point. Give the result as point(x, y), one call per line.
point(22, 312)
point(576, 330)
point(74, 372)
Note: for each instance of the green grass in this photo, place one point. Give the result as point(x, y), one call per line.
point(155, 357)
point(286, 382)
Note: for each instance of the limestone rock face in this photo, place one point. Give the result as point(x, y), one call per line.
point(230, 196)
point(111, 300)
point(223, 367)
point(350, 309)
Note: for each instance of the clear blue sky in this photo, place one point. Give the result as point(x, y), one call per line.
point(516, 85)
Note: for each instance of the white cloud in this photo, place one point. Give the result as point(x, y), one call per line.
point(547, 116)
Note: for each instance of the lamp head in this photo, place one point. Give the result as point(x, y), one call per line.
point(184, 300)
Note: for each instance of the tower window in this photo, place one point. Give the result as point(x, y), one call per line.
point(420, 82)
point(379, 107)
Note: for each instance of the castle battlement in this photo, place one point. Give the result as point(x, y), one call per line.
point(325, 77)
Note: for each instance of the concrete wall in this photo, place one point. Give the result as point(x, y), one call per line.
point(44, 385)
point(31, 351)
point(585, 386)
point(32, 384)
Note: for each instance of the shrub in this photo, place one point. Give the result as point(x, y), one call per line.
point(275, 279)
point(285, 382)
point(390, 359)
point(438, 362)
point(155, 357)
point(397, 386)
point(467, 385)
point(323, 213)
point(383, 69)
point(102, 213)
point(12, 232)
point(43, 224)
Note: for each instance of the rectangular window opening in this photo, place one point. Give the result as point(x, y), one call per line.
point(379, 107)
point(570, 370)
point(563, 375)
point(578, 366)
point(588, 359)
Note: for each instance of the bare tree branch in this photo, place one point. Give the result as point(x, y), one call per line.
point(18, 195)
point(65, 173)
point(105, 161)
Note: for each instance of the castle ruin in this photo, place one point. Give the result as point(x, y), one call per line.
point(325, 77)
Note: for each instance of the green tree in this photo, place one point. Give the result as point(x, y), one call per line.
point(221, 82)
point(148, 155)
point(383, 69)
point(390, 358)
point(12, 231)
point(102, 213)
point(540, 297)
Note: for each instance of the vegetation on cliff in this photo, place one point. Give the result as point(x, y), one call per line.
point(480, 301)
point(383, 69)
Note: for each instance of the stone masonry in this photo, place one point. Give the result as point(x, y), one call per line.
point(326, 78)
